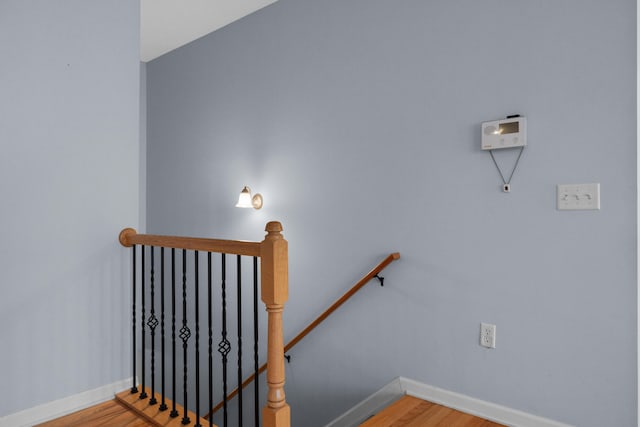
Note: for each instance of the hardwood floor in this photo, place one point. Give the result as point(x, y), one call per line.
point(410, 411)
point(110, 413)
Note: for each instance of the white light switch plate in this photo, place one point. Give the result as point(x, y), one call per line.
point(578, 196)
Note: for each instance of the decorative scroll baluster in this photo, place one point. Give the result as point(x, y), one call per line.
point(134, 387)
point(153, 323)
point(239, 313)
point(185, 333)
point(197, 303)
point(143, 392)
point(210, 319)
point(224, 347)
point(163, 404)
point(256, 364)
point(174, 411)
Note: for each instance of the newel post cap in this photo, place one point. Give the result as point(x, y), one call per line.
point(274, 229)
point(274, 265)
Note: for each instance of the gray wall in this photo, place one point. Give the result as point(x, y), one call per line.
point(69, 122)
point(359, 122)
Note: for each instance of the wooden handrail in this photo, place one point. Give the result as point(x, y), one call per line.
point(129, 237)
point(373, 273)
point(365, 279)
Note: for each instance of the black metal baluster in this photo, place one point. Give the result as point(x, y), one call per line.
point(224, 347)
point(174, 411)
point(256, 366)
point(152, 323)
point(134, 387)
point(197, 302)
point(143, 392)
point(210, 319)
point(163, 404)
point(185, 333)
point(239, 316)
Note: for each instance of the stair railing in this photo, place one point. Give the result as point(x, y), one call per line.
point(273, 255)
point(374, 273)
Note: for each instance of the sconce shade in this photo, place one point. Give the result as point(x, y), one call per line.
point(245, 200)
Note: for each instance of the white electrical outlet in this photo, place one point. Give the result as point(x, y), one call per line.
point(488, 335)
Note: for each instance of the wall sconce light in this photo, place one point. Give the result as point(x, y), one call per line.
point(247, 201)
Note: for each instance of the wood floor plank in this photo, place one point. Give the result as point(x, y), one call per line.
point(479, 422)
point(103, 414)
point(421, 408)
point(460, 419)
point(393, 412)
point(123, 419)
point(410, 411)
point(430, 418)
point(73, 418)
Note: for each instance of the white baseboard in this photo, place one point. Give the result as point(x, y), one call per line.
point(370, 406)
point(58, 408)
point(401, 386)
point(473, 406)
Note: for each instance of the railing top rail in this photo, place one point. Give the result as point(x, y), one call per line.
point(129, 237)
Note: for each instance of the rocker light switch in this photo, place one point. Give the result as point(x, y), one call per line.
point(578, 196)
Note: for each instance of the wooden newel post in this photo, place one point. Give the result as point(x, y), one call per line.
point(275, 292)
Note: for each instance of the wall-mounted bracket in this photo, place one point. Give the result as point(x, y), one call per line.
point(380, 278)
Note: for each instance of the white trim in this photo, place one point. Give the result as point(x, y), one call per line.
point(368, 407)
point(401, 386)
point(58, 408)
point(473, 406)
